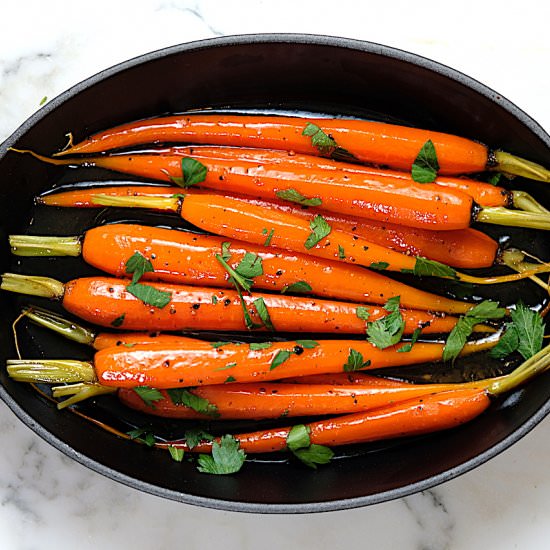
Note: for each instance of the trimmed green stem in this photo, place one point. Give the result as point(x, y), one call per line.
point(50, 371)
point(32, 285)
point(516, 166)
point(57, 323)
point(31, 245)
point(524, 201)
point(79, 392)
point(514, 218)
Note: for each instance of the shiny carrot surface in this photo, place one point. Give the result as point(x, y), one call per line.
point(200, 363)
point(255, 401)
point(189, 258)
point(388, 199)
point(429, 413)
point(464, 248)
point(102, 300)
point(372, 142)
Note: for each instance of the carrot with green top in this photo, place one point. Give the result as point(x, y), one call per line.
point(111, 302)
point(433, 412)
point(364, 141)
point(462, 248)
point(200, 363)
point(183, 257)
point(387, 200)
point(226, 216)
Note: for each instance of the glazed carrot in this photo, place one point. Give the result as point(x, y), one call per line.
point(427, 206)
point(389, 200)
point(256, 401)
point(190, 258)
point(223, 215)
point(462, 248)
point(107, 302)
point(284, 165)
point(371, 142)
point(432, 412)
point(200, 363)
point(429, 413)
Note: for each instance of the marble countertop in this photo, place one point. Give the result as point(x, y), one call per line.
point(49, 501)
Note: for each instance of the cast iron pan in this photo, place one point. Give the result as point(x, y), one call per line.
point(269, 73)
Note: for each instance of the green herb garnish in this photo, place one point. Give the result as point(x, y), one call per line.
point(425, 166)
point(149, 395)
point(295, 196)
point(149, 295)
point(320, 229)
point(478, 314)
point(524, 334)
point(138, 265)
point(226, 457)
point(299, 443)
point(355, 361)
point(182, 396)
point(193, 172)
point(300, 287)
point(118, 321)
point(176, 453)
point(387, 331)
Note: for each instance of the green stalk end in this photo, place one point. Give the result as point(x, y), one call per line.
point(514, 218)
point(524, 201)
point(157, 203)
point(32, 285)
point(57, 323)
point(79, 392)
point(31, 245)
point(51, 371)
point(516, 166)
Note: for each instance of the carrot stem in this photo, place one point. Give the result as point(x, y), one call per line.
point(516, 166)
point(69, 329)
point(51, 371)
point(79, 392)
point(33, 285)
point(514, 218)
point(31, 245)
point(525, 201)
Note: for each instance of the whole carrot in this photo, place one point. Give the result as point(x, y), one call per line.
point(462, 248)
point(393, 200)
point(256, 401)
point(372, 142)
point(109, 302)
point(200, 363)
point(223, 215)
point(189, 258)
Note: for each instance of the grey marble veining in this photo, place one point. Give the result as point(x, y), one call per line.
point(48, 501)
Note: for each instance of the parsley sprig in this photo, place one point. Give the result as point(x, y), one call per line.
point(480, 313)
point(387, 330)
point(425, 166)
point(299, 443)
point(226, 458)
point(523, 334)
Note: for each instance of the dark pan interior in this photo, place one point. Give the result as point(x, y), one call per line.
point(270, 73)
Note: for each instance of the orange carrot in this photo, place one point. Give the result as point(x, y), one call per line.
point(429, 413)
point(189, 258)
point(255, 401)
point(108, 302)
point(372, 142)
point(396, 200)
point(200, 363)
point(462, 248)
point(346, 379)
point(226, 216)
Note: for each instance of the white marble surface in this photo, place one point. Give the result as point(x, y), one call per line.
point(48, 501)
